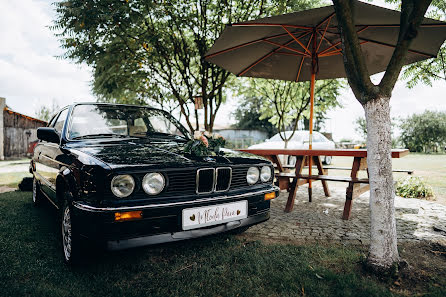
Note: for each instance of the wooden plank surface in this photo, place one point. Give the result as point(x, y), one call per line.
point(362, 153)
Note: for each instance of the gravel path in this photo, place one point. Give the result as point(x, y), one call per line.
point(321, 220)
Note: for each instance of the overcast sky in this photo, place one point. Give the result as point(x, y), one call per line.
point(31, 75)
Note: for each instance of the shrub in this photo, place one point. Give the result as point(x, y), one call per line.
point(413, 187)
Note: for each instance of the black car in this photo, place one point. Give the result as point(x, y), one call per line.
point(120, 175)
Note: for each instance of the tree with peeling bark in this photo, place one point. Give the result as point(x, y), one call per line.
point(375, 99)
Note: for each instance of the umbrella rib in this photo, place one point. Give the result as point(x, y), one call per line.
point(286, 47)
point(269, 25)
point(325, 31)
point(263, 58)
point(339, 42)
point(255, 63)
point(250, 43)
point(324, 20)
point(393, 46)
point(297, 40)
point(396, 26)
point(338, 51)
point(303, 58)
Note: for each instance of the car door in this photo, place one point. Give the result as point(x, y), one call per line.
point(48, 165)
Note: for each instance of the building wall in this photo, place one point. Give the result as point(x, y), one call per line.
point(18, 132)
point(2, 128)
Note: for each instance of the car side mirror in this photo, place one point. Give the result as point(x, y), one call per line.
point(48, 134)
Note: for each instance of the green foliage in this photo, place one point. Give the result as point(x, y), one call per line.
point(361, 127)
point(424, 132)
point(413, 187)
point(45, 113)
point(151, 51)
point(430, 70)
point(284, 103)
point(248, 115)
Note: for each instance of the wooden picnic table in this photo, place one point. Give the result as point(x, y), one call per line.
point(356, 186)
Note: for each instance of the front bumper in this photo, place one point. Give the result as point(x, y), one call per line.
point(162, 222)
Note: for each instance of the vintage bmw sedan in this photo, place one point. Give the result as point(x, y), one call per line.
point(119, 175)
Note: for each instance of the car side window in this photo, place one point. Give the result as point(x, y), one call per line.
point(58, 125)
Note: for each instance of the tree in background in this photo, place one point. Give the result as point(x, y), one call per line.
point(375, 99)
point(248, 116)
point(45, 113)
point(284, 103)
point(424, 132)
point(151, 51)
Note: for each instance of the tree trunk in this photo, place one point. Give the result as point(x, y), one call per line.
point(383, 252)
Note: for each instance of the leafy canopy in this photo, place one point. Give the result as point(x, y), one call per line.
point(148, 51)
point(428, 71)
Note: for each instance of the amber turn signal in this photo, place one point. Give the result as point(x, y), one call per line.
point(127, 216)
point(270, 196)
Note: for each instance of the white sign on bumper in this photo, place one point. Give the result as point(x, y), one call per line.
point(214, 214)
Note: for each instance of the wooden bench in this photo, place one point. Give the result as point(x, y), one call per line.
point(408, 171)
point(291, 181)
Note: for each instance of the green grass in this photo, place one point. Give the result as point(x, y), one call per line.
point(431, 167)
point(31, 264)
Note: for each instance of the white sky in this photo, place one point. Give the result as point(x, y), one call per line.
point(31, 76)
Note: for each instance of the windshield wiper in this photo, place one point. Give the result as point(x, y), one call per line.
point(101, 135)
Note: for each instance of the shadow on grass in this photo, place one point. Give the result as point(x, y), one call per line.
point(31, 261)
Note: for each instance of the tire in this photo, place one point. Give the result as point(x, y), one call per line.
point(37, 194)
point(71, 241)
point(327, 160)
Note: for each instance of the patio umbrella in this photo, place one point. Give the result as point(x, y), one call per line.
point(304, 45)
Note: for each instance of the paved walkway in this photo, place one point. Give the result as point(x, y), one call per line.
point(320, 220)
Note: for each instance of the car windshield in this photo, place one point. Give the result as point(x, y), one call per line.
point(99, 121)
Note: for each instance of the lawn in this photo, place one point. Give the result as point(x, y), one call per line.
point(31, 264)
point(431, 167)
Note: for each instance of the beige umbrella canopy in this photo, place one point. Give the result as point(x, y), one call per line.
point(302, 45)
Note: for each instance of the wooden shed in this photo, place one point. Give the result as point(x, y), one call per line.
point(17, 131)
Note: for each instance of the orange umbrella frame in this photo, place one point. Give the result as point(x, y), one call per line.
point(314, 53)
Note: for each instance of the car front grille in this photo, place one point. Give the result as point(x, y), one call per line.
point(213, 180)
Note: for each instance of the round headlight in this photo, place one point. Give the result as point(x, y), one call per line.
point(153, 183)
point(265, 174)
point(122, 185)
point(253, 175)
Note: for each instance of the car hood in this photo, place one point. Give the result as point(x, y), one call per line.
point(119, 154)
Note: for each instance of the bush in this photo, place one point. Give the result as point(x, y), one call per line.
point(413, 187)
point(424, 132)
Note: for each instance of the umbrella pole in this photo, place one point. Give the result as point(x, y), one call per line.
point(310, 143)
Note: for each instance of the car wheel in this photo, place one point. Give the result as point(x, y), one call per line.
point(37, 195)
point(292, 160)
point(327, 160)
point(70, 237)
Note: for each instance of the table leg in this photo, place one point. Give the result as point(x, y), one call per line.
point(354, 189)
point(321, 170)
point(300, 161)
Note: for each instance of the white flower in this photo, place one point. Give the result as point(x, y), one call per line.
point(197, 135)
point(207, 134)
